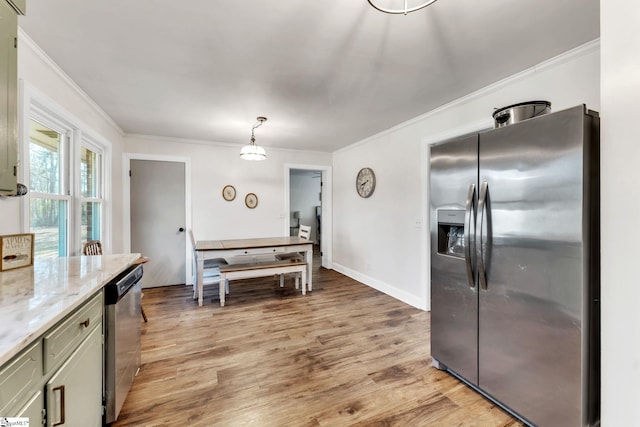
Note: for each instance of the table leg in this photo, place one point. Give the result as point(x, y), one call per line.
point(308, 257)
point(302, 278)
point(200, 279)
point(222, 288)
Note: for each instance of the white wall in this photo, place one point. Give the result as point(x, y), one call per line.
point(383, 240)
point(42, 75)
point(215, 165)
point(620, 211)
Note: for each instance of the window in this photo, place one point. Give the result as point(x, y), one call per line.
point(49, 201)
point(90, 194)
point(66, 199)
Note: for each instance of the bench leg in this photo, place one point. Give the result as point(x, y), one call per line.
point(200, 280)
point(223, 287)
point(297, 277)
point(300, 277)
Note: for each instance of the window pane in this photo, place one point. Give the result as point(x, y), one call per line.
point(90, 173)
point(45, 160)
point(49, 223)
point(91, 214)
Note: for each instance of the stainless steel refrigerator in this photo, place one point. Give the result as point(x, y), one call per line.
point(515, 277)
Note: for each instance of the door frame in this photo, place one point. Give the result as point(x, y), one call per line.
point(126, 201)
point(326, 243)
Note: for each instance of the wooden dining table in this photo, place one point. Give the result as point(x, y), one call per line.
point(209, 249)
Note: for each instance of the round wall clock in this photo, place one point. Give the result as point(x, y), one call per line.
point(229, 192)
point(365, 182)
point(251, 200)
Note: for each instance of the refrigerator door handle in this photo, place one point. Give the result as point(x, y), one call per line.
point(469, 221)
point(482, 208)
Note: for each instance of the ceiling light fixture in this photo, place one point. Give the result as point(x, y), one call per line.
point(404, 11)
point(251, 151)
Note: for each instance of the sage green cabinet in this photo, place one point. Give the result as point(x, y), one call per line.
point(61, 340)
point(57, 379)
point(74, 393)
point(20, 378)
point(8, 98)
point(33, 409)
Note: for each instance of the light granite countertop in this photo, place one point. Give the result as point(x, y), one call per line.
point(33, 299)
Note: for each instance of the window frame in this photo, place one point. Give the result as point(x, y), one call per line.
point(42, 109)
point(85, 141)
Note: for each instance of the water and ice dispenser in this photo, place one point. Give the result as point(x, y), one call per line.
point(451, 232)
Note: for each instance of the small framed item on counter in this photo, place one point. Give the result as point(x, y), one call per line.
point(16, 251)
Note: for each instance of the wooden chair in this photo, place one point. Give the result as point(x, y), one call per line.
point(304, 232)
point(211, 273)
point(139, 261)
point(92, 247)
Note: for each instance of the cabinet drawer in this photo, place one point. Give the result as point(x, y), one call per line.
point(19, 376)
point(61, 341)
point(259, 251)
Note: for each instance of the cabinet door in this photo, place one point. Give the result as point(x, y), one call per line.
point(19, 378)
point(8, 98)
point(74, 393)
point(33, 409)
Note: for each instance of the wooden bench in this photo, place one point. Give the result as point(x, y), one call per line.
point(261, 269)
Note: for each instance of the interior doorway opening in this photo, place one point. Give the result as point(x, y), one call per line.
point(308, 202)
point(305, 203)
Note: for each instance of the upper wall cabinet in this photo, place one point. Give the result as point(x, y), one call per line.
point(9, 94)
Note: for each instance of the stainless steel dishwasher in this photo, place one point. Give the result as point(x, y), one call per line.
point(122, 338)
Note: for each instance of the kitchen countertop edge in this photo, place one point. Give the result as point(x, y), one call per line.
point(36, 298)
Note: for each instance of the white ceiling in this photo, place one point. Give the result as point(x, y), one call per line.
point(326, 73)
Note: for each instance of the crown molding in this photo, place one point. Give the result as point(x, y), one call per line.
point(584, 49)
point(26, 41)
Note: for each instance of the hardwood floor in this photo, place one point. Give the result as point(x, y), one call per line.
point(343, 355)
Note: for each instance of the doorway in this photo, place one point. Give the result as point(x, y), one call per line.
point(308, 202)
point(305, 202)
point(158, 219)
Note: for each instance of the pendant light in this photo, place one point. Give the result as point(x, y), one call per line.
point(403, 11)
point(251, 151)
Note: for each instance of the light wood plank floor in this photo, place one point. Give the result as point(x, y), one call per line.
point(343, 355)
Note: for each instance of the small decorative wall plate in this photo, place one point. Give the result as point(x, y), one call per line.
point(229, 192)
point(251, 200)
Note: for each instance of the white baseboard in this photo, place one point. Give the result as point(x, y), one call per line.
point(383, 287)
